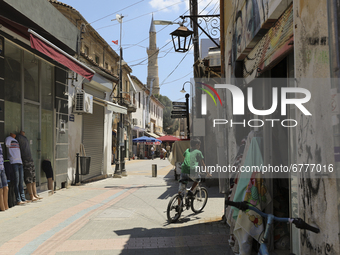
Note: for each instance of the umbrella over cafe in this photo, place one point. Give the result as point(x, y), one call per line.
point(168, 138)
point(147, 140)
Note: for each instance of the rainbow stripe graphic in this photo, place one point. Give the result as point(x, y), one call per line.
point(209, 93)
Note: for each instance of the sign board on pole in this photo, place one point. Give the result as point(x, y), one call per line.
point(179, 107)
point(179, 112)
point(178, 116)
point(179, 103)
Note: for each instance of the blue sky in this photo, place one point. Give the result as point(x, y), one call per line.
point(135, 37)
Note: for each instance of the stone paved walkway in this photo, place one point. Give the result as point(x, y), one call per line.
point(115, 216)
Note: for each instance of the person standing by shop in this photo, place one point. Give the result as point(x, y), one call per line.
point(28, 165)
point(14, 156)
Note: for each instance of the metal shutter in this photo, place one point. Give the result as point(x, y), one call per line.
point(94, 92)
point(93, 140)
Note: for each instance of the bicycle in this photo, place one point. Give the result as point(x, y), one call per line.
point(298, 222)
point(181, 201)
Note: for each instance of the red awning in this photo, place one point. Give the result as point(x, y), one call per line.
point(41, 44)
point(168, 138)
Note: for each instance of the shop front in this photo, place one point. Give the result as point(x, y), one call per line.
point(28, 85)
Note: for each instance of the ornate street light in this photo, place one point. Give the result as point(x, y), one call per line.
point(181, 39)
point(183, 90)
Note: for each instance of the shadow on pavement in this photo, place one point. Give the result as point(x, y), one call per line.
point(202, 238)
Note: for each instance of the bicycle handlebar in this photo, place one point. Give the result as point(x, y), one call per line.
point(298, 222)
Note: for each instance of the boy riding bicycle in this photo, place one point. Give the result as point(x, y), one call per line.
point(192, 157)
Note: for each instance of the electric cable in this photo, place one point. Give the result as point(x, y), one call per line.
point(176, 66)
point(116, 12)
point(143, 15)
point(177, 79)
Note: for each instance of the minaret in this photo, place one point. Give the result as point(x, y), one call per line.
point(153, 60)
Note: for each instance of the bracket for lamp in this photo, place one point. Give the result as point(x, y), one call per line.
point(212, 23)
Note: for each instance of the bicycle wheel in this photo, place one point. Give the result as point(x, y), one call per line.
point(174, 210)
point(199, 200)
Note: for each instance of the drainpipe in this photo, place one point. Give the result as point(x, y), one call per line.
point(333, 41)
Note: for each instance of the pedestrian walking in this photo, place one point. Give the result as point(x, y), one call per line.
point(152, 152)
point(164, 153)
point(167, 150)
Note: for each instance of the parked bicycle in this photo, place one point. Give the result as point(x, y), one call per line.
point(298, 222)
point(180, 202)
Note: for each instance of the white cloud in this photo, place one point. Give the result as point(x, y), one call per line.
point(166, 5)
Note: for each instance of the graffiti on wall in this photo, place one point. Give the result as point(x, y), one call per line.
point(248, 17)
point(247, 24)
point(311, 189)
point(271, 44)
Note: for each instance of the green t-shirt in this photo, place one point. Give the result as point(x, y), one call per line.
point(191, 160)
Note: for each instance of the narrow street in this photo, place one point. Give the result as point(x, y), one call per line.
point(115, 216)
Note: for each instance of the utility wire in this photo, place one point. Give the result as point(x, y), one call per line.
point(176, 66)
point(143, 15)
point(177, 79)
point(116, 12)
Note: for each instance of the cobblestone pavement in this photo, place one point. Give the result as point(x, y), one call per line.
point(115, 216)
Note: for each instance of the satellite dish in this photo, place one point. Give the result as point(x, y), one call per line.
point(119, 18)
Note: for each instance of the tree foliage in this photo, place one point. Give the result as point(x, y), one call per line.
point(169, 125)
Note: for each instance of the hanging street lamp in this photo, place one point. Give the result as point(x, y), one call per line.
point(182, 38)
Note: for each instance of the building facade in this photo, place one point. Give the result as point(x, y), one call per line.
point(148, 118)
point(34, 86)
point(91, 132)
point(285, 44)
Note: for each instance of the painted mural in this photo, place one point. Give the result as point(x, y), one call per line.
point(271, 46)
point(248, 18)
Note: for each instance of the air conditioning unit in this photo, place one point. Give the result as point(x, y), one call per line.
point(134, 121)
point(83, 103)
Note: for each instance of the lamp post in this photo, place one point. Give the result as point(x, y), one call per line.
point(183, 90)
point(120, 164)
point(187, 108)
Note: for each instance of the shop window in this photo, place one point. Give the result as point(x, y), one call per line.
point(86, 50)
point(47, 85)
point(13, 62)
point(31, 83)
point(138, 99)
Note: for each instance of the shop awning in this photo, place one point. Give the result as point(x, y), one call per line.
point(151, 134)
point(49, 49)
point(111, 106)
point(138, 128)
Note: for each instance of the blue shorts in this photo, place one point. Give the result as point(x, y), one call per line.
point(3, 179)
